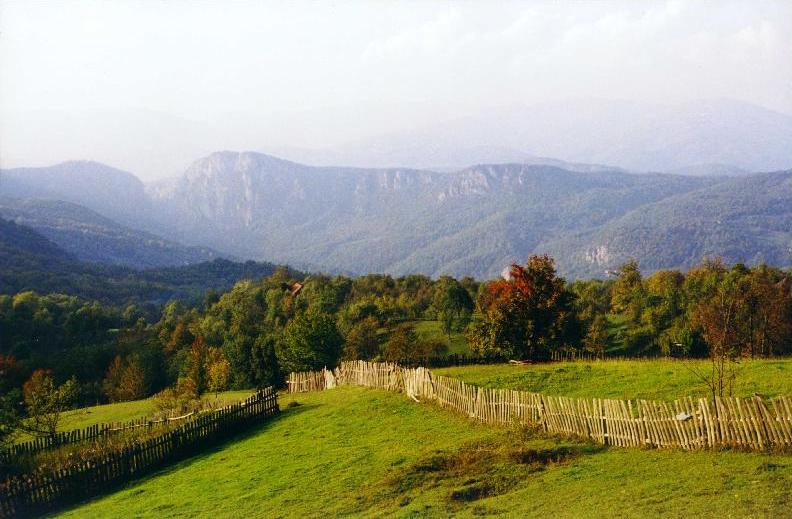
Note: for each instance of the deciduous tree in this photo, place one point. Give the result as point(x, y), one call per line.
point(310, 341)
point(527, 315)
point(452, 305)
point(218, 370)
point(361, 341)
point(44, 402)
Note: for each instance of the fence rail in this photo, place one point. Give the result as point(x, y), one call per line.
point(751, 423)
point(91, 432)
point(41, 492)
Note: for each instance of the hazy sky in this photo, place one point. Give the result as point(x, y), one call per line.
point(316, 74)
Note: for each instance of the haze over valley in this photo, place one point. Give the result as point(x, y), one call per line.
point(442, 139)
point(474, 221)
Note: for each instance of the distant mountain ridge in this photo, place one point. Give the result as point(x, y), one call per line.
point(29, 261)
point(114, 193)
point(89, 236)
point(473, 221)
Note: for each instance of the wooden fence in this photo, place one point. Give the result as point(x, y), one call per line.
point(91, 432)
point(574, 355)
point(452, 359)
point(578, 356)
point(688, 423)
point(39, 493)
point(303, 381)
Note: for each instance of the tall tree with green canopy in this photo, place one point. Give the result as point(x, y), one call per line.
point(265, 370)
point(452, 304)
point(310, 341)
point(361, 341)
point(628, 291)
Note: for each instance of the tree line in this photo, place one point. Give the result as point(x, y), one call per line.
point(58, 350)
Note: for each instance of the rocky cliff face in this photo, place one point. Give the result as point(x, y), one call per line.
point(399, 220)
point(236, 189)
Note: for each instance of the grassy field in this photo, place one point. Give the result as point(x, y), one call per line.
point(358, 452)
point(457, 344)
point(126, 411)
point(658, 379)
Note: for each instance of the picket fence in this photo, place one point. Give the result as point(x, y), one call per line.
point(574, 355)
point(687, 423)
point(91, 432)
point(42, 492)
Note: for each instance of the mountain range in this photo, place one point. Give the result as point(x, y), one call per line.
point(471, 221)
point(88, 236)
point(29, 261)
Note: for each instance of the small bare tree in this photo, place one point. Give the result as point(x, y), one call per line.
point(718, 317)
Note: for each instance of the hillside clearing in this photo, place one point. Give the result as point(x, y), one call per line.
point(127, 411)
point(429, 329)
point(629, 379)
point(352, 451)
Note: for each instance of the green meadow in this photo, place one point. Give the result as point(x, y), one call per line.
point(368, 453)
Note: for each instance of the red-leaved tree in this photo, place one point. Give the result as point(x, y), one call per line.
point(527, 315)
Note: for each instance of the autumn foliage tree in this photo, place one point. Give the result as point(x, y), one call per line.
point(766, 316)
point(718, 318)
point(125, 380)
point(746, 313)
point(45, 401)
point(197, 364)
point(218, 370)
point(527, 315)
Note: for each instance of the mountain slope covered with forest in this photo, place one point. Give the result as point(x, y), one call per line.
point(91, 237)
point(474, 221)
point(29, 261)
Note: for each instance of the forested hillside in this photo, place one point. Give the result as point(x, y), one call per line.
point(29, 261)
point(91, 237)
point(280, 321)
point(116, 194)
point(741, 220)
point(475, 221)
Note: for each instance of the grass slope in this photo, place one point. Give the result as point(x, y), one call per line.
point(358, 452)
point(657, 379)
point(126, 411)
point(428, 329)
